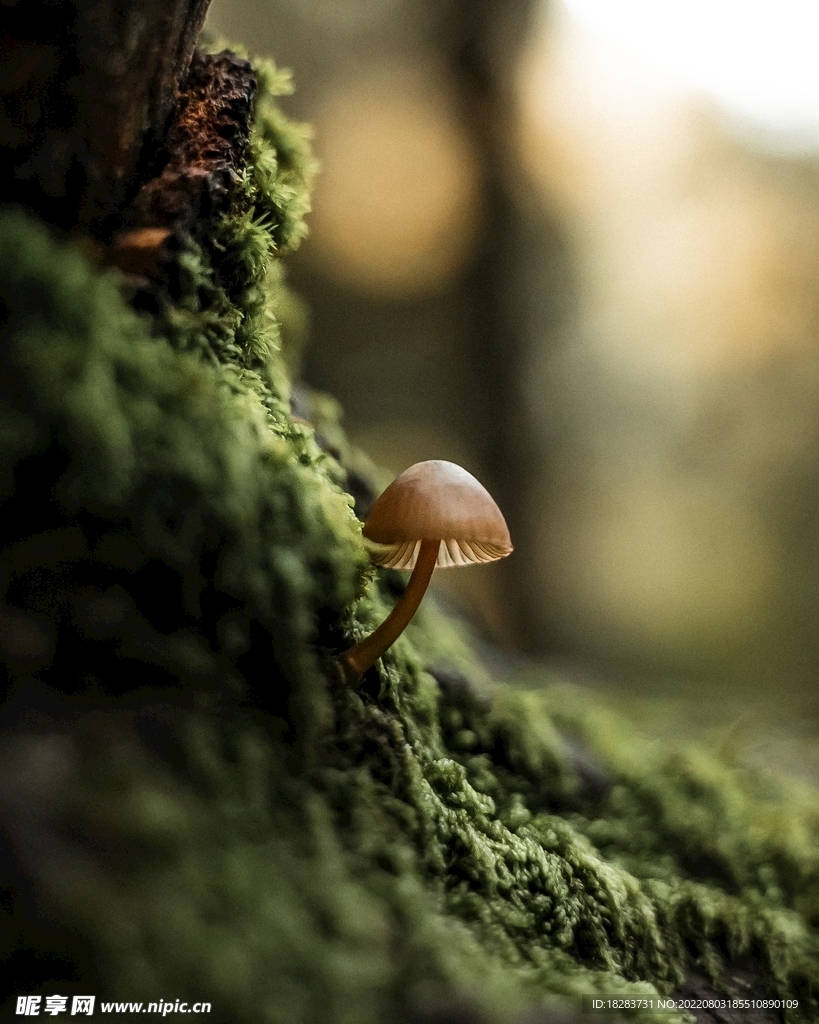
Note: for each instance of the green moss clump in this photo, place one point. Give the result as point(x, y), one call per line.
point(224, 820)
point(152, 517)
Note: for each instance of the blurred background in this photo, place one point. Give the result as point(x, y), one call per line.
point(574, 247)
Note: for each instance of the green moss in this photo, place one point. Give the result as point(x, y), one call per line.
point(234, 825)
point(197, 527)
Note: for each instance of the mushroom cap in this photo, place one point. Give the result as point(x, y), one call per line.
point(436, 500)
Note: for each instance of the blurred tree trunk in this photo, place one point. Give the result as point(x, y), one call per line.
point(517, 293)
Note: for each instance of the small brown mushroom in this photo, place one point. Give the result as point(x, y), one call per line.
point(433, 514)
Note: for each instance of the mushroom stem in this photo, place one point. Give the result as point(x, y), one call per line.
point(357, 659)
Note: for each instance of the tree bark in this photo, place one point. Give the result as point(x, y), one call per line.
point(87, 92)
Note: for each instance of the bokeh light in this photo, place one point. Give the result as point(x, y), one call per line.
point(757, 59)
point(395, 211)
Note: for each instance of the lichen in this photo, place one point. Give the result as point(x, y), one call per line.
point(226, 821)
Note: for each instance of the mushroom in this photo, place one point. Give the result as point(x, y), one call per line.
point(433, 514)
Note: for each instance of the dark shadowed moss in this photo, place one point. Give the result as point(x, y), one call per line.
point(194, 808)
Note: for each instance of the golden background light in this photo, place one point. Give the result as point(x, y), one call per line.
point(684, 383)
point(396, 206)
